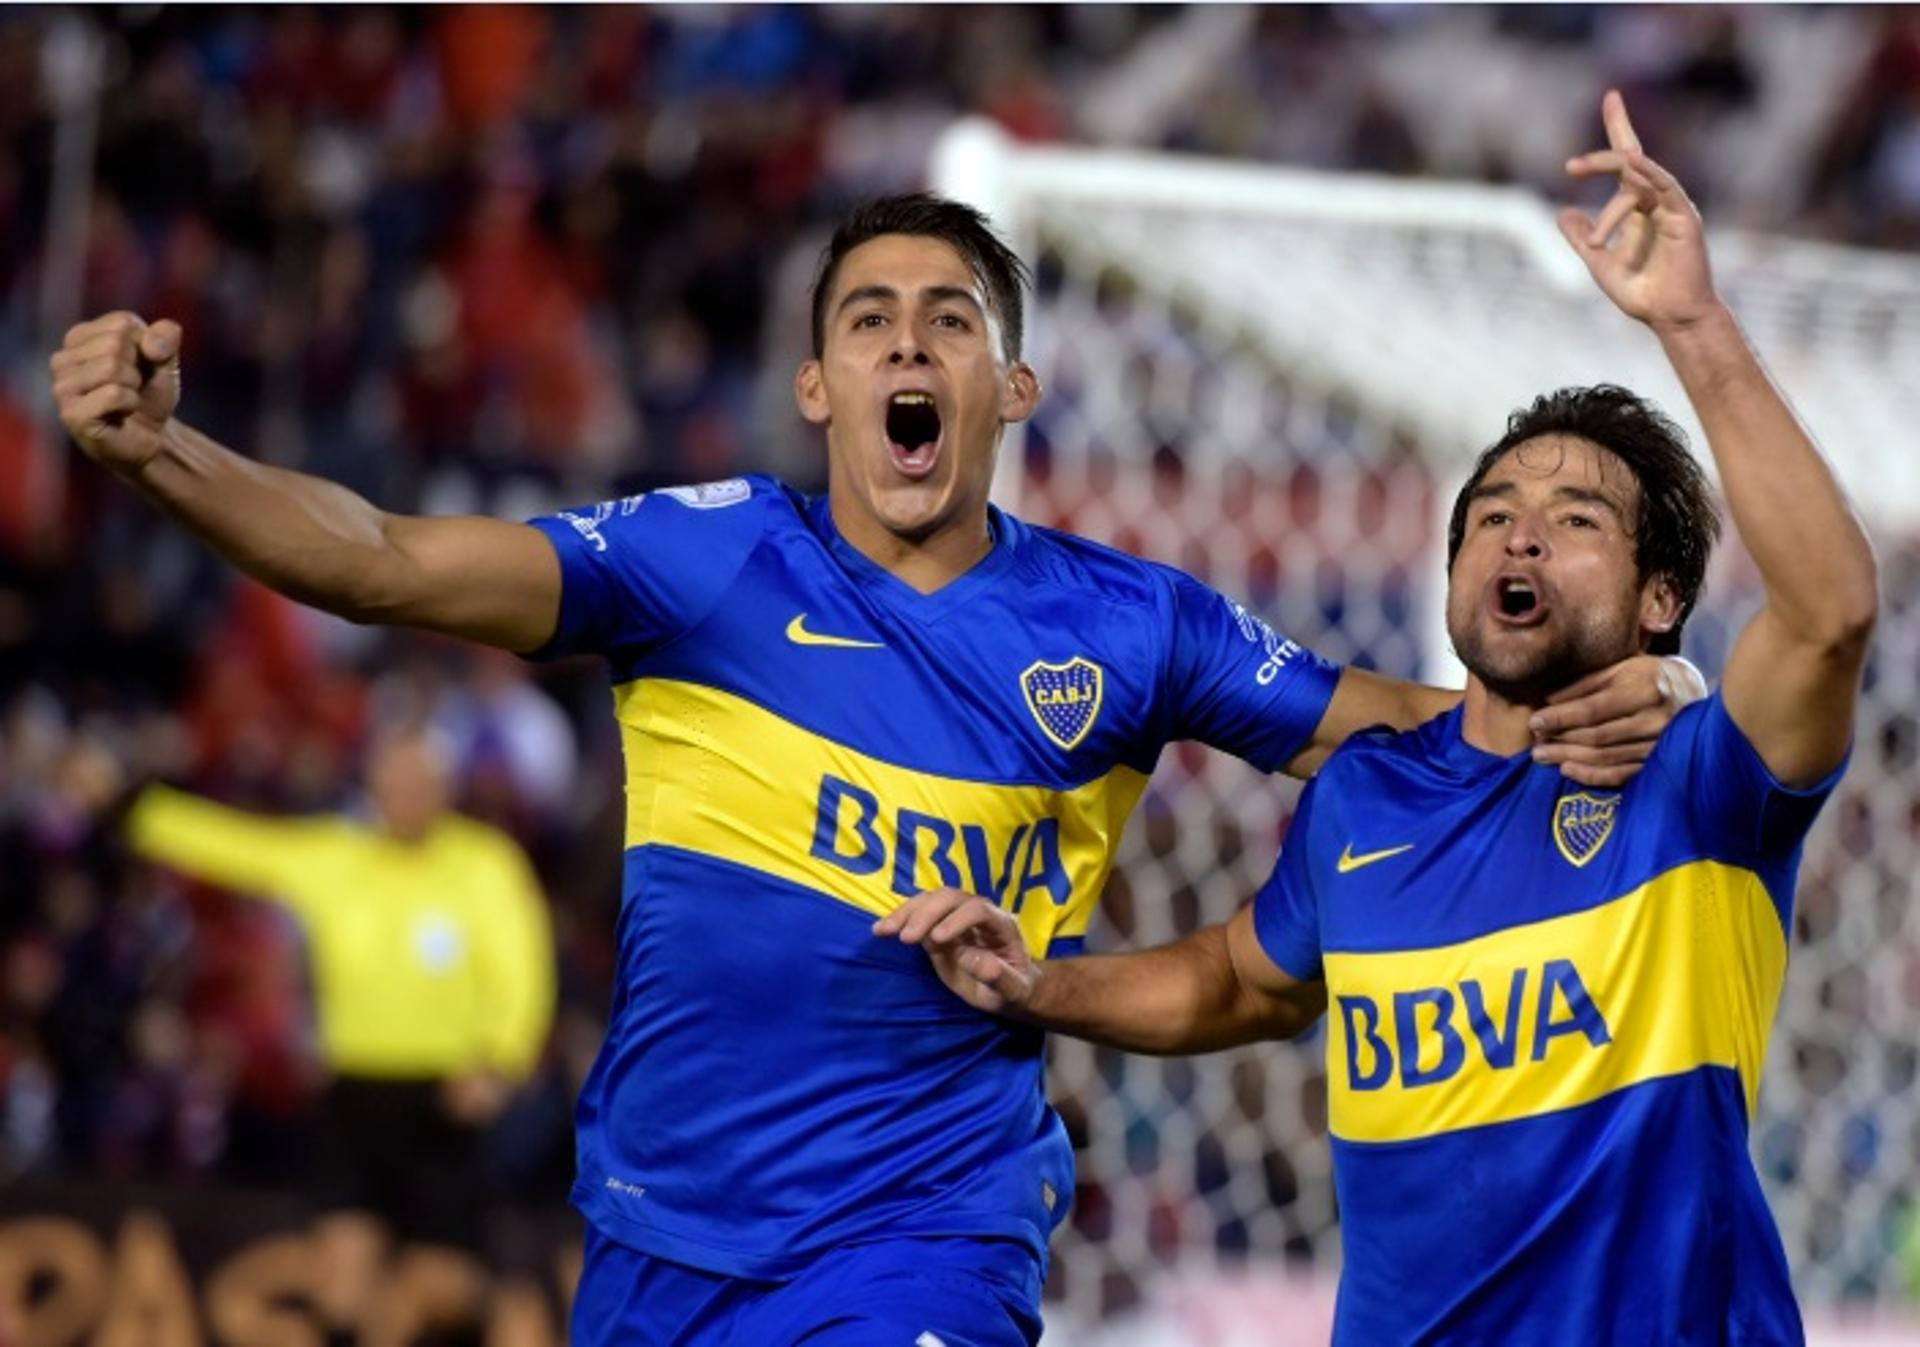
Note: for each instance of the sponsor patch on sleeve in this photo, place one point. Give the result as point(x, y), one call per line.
point(711, 495)
point(1279, 650)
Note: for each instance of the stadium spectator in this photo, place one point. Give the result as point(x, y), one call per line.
point(1866, 175)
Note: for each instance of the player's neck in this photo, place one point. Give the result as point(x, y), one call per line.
point(926, 563)
point(1492, 723)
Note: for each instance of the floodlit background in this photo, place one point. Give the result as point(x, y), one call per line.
point(503, 259)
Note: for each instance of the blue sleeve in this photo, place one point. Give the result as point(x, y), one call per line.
point(1238, 685)
point(1732, 796)
point(637, 572)
point(1286, 912)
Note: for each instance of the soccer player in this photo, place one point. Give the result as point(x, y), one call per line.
point(1551, 1005)
point(792, 1131)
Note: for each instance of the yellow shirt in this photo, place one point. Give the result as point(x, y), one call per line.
point(428, 959)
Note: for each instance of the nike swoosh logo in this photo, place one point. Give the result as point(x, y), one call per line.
point(1349, 862)
point(797, 633)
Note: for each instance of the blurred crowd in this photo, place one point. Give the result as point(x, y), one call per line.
point(505, 258)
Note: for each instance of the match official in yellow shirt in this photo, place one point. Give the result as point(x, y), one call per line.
point(432, 966)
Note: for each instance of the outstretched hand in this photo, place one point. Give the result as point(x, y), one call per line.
point(1646, 249)
point(1601, 729)
point(974, 946)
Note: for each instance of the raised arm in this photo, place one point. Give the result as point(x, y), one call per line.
point(116, 381)
point(1794, 674)
point(253, 853)
point(1215, 989)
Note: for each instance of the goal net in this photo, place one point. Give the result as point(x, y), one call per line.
point(1276, 379)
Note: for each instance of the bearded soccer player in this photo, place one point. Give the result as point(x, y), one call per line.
point(1550, 1005)
point(828, 705)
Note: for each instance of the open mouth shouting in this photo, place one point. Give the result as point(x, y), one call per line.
point(913, 432)
point(1517, 601)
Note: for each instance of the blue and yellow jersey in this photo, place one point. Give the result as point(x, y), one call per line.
point(809, 741)
point(1547, 1012)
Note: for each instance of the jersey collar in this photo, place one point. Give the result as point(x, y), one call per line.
point(902, 597)
point(1450, 747)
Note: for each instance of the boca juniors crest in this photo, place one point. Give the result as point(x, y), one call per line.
point(1064, 698)
point(1582, 823)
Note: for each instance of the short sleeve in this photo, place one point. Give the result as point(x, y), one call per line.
point(642, 570)
point(1237, 684)
point(1733, 796)
point(1286, 911)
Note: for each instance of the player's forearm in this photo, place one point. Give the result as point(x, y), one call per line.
point(1177, 999)
point(1793, 517)
point(1363, 699)
point(308, 538)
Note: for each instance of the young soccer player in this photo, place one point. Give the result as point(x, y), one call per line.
point(792, 1131)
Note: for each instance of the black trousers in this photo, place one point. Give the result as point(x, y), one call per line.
point(387, 1147)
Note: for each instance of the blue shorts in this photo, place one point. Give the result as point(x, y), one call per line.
point(892, 1293)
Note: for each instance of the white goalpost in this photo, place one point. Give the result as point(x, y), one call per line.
point(1276, 379)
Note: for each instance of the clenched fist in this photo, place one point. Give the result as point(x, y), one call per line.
point(116, 381)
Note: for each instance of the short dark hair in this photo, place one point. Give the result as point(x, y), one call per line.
point(1678, 522)
point(925, 215)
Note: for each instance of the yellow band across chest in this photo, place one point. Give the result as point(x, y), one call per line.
point(1681, 973)
point(713, 773)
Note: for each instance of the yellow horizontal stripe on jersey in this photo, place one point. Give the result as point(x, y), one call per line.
point(1680, 973)
point(713, 773)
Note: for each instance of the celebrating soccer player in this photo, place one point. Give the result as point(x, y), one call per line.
point(828, 705)
point(1550, 1005)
